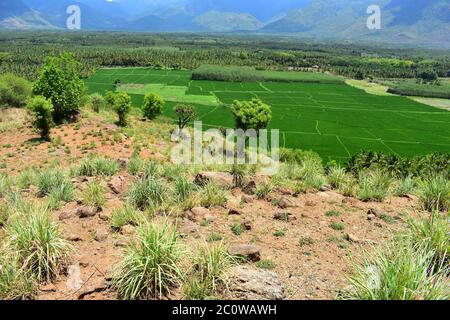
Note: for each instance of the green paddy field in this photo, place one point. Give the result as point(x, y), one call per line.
point(335, 120)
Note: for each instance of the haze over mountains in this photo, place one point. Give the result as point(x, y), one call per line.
point(403, 21)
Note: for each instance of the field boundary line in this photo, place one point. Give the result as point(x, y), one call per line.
point(317, 127)
point(265, 88)
point(343, 145)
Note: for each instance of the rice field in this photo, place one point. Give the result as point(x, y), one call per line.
point(335, 120)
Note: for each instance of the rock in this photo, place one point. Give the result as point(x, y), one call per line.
point(233, 202)
point(247, 224)
point(209, 218)
point(285, 203)
point(198, 213)
point(49, 288)
point(374, 211)
point(121, 243)
point(248, 251)
point(105, 216)
point(117, 184)
point(74, 238)
point(247, 198)
point(122, 163)
point(285, 191)
point(101, 235)
point(86, 212)
point(187, 227)
point(284, 216)
point(234, 212)
point(128, 230)
point(349, 201)
point(84, 262)
point(249, 188)
point(323, 194)
point(222, 179)
point(65, 215)
point(255, 284)
point(310, 203)
point(74, 281)
point(371, 217)
point(352, 238)
point(325, 188)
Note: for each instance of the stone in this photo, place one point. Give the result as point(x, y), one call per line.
point(349, 201)
point(84, 262)
point(352, 238)
point(247, 198)
point(285, 191)
point(247, 224)
point(198, 213)
point(285, 203)
point(371, 217)
point(105, 216)
point(65, 215)
point(249, 283)
point(122, 163)
point(121, 243)
point(187, 227)
point(376, 212)
point(74, 281)
point(248, 251)
point(49, 288)
point(74, 238)
point(310, 203)
point(222, 179)
point(234, 212)
point(128, 230)
point(86, 212)
point(284, 216)
point(101, 235)
point(249, 188)
point(326, 188)
point(117, 184)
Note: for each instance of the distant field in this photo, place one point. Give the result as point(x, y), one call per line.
point(412, 88)
point(335, 120)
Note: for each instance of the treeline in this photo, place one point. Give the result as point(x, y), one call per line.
point(23, 53)
point(409, 88)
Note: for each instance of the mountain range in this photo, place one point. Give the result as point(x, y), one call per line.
point(424, 22)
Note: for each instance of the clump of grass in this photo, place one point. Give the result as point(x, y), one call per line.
point(126, 216)
point(5, 185)
point(398, 271)
point(49, 180)
point(208, 272)
point(61, 194)
point(266, 264)
point(332, 213)
point(146, 192)
point(263, 190)
point(14, 283)
point(239, 172)
point(212, 195)
point(37, 244)
point(387, 218)
point(4, 213)
point(405, 186)
point(151, 265)
point(97, 166)
point(238, 228)
point(135, 166)
point(374, 186)
point(338, 226)
point(306, 241)
point(434, 194)
point(214, 237)
point(280, 233)
point(336, 176)
point(183, 188)
point(94, 194)
point(26, 178)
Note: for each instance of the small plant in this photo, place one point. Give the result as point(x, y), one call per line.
point(126, 216)
point(49, 180)
point(306, 241)
point(434, 194)
point(338, 226)
point(97, 166)
point(238, 228)
point(263, 190)
point(332, 213)
point(280, 233)
point(61, 194)
point(212, 195)
point(238, 171)
point(14, 283)
point(97, 102)
point(152, 106)
point(387, 218)
point(135, 165)
point(183, 188)
point(150, 267)
point(146, 192)
point(337, 176)
point(266, 264)
point(374, 186)
point(405, 186)
point(41, 111)
point(94, 195)
point(214, 237)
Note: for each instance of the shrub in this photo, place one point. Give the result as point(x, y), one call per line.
point(97, 166)
point(14, 91)
point(120, 102)
point(97, 102)
point(94, 195)
point(434, 194)
point(253, 114)
point(212, 195)
point(153, 105)
point(41, 111)
point(126, 216)
point(374, 186)
point(397, 271)
point(404, 187)
point(150, 267)
point(263, 190)
point(38, 244)
point(146, 192)
point(185, 114)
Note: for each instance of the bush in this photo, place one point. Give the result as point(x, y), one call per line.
point(185, 114)
point(150, 267)
point(398, 271)
point(97, 166)
point(253, 114)
point(14, 283)
point(120, 102)
point(38, 244)
point(97, 102)
point(41, 111)
point(405, 186)
point(434, 194)
point(373, 186)
point(153, 105)
point(146, 192)
point(14, 91)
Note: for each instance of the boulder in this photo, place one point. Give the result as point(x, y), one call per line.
point(101, 235)
point(222, 179)
point(376, 212)
point(117, 184)
point(285, 203)
point(234, 212)
point(248, 251)
point(86, 212)
point(249, 188)
point(284, 216)
point(255, 284)
point(198, 213)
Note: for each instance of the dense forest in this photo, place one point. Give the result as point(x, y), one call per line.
point(23, 53)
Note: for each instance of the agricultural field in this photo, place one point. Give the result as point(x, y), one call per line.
point(335, 120)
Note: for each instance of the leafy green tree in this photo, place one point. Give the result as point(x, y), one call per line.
point(428, 76)
point(152, 105)
point(59, 81)
point(41, 110)
point(253, 114)
point(97, 101)
point(14, 91)
point(185, 114)
point(120, 102)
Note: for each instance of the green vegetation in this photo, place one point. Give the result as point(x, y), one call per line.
point(146, 192)
point(97, 101)
point(41, 111)
point(266, 264)
point(94, 195)
point(92, 166)
point(126, 216)
point(253, 114)
point(434, 193)
point(412, 88)
point(120, 102)
point(185, 114)
point(14, 91)
point(152, 106)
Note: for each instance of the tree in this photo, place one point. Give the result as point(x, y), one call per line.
point(428, 76)
point(185, 114)
point(41, 110)
point(253, 114)
point(152, 105)
point(121, 104)
point(14, 91)
point(97, 102)
point(59, 81)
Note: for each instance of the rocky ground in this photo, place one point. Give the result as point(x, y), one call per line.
point(298, 246)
